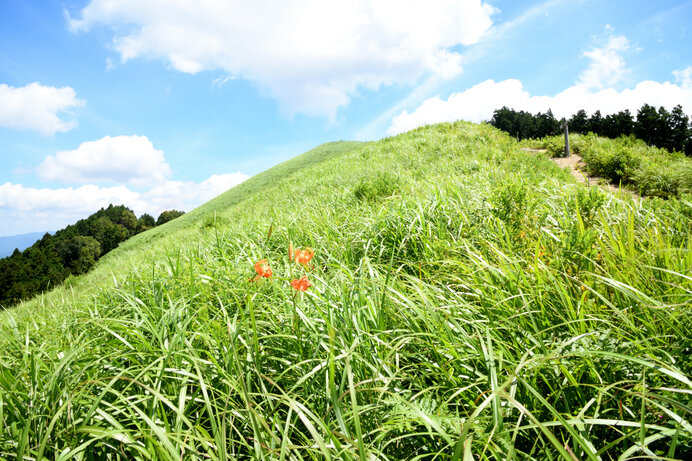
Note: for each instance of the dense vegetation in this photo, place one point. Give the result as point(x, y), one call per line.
point(70, 251)
point(660, 128)
point(627, 161)
point(468, 301)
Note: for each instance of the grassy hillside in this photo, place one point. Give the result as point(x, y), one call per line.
point(468, 301)
point(155, 243)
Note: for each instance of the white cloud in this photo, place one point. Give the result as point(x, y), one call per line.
point(475, 104)
point(591, 92)
point(121, 159)
point(37, 107)
point(684, 77)
point(311, 55)
point(26, 209)
point(185, 195)
point(607, 66)
point(82, 199)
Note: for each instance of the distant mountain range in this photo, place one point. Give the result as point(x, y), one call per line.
point(23, 241)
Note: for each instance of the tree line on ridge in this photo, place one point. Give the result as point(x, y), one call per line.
point(70, 251)
point(660, 128)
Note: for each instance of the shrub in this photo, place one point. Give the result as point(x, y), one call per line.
point(513, 204)
point(616, 164)
point(168, 215)
point(588, 201)
point(663, 179)
point(375, 187)
point(213, 221)
point(555, 145)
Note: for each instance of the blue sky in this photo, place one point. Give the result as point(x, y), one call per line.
point(161, 104)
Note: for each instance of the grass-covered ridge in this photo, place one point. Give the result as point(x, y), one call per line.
point(468, 301)
point(211, 213)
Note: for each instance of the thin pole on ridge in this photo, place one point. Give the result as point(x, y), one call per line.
point(564, 128)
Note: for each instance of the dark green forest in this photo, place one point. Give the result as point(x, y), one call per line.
point(70, 251)
point(657, 127)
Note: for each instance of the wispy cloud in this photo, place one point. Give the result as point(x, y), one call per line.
point(496, 35)
point(607, 66)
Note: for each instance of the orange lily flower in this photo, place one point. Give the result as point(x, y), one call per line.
point(301, 284)
point(262, 268)
point(304, 256)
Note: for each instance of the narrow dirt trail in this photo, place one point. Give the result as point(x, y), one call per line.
point(573, 163)
point(577, 168)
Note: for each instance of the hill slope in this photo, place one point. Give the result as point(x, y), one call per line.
point(467, 299)
point(145, 246)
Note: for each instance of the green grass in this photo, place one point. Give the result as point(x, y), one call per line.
point(469, 301)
